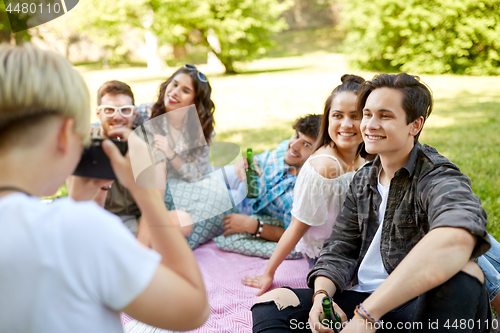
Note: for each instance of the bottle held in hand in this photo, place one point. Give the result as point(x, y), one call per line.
point(252, 176)
point(329, 318)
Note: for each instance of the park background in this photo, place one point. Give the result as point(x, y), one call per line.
point(271, 61)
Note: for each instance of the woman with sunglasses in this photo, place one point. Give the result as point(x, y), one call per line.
point(187, 86)
point(186, 133)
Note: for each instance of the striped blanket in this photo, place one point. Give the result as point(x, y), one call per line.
point(230, 301)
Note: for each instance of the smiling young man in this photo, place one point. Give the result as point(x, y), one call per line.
point(400, 256)
point(279, 170)
point(116, 111)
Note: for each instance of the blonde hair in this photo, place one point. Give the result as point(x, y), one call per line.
point(36, 85)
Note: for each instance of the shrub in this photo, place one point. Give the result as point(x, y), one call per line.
point(441, 36)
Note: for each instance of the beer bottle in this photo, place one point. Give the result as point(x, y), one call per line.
point(252, 177)
point(329, 317)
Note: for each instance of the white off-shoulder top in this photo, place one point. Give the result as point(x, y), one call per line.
point(317, 201)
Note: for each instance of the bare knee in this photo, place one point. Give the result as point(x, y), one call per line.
point(282, 297)
point(473, 269)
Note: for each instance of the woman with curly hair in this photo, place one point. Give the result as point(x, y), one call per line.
point(180, 128)
point(182, 132)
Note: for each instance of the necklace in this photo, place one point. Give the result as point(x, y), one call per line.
point(13, 188)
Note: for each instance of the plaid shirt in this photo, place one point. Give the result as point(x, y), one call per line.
point(275, 185)
point(428, 192)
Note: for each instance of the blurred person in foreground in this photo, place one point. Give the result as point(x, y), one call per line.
point(59, 271)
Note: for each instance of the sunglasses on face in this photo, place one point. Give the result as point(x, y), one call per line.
point(200, 75)
point(110, 111)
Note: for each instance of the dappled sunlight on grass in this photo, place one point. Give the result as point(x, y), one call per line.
point(436, 121)
point(472, 142)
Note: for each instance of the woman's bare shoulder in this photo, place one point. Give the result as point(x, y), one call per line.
point(326, 166)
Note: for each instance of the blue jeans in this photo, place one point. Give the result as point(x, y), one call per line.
point(490, 264)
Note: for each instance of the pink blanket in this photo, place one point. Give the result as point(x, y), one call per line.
point(230, 301)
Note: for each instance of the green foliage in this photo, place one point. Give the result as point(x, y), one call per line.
point(4, 24)
point(105, 22)
point(298, 42)
point(463, 132)
point(6, 31)
point(244, 27)
point(442, 36)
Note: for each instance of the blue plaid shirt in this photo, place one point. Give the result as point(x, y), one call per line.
point(275, 185)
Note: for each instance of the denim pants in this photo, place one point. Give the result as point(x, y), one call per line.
point(490, 264)
point(458, 305)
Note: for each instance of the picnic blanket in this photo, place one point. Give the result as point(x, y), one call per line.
point(230, 301)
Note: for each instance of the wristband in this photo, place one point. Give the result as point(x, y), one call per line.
point(321, 291)
point(169, 159)
point(260, 227)
point(365, 315)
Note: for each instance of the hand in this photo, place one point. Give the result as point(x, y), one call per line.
point(161, 143)
point(263, 282)
point(241, 166)
point(120, 134)
point(120, 164)
point(238, 223)
point(317, 310)
point(85, 188)
point(358, 325)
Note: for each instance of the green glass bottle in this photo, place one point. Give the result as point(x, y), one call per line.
point(329, 318)
point(252, 176)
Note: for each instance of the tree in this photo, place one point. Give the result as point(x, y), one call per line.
point(6, 35)
point(104, 23)
point(244, 27)
point(178, 22)
point(442, 36)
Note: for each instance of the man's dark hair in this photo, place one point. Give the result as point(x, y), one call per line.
point(114, 88)
point(417, 96)
point(308, 125)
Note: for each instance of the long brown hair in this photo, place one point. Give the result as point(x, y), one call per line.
point(202, 100)
point(350, 83)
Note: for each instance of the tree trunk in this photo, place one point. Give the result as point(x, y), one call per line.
point(105, 59)
point(68, 45)
point(297, 14)
point(5, 36)
point(5, 28)
point(180, 52)
point(21, 37)
point(228, 63)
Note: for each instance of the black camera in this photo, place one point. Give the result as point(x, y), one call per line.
point(95, 163)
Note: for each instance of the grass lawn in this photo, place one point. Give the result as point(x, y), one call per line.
point(257, 108)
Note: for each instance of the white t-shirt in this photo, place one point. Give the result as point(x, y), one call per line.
point(372, 273)
point(67, 266)
point(316, 202)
